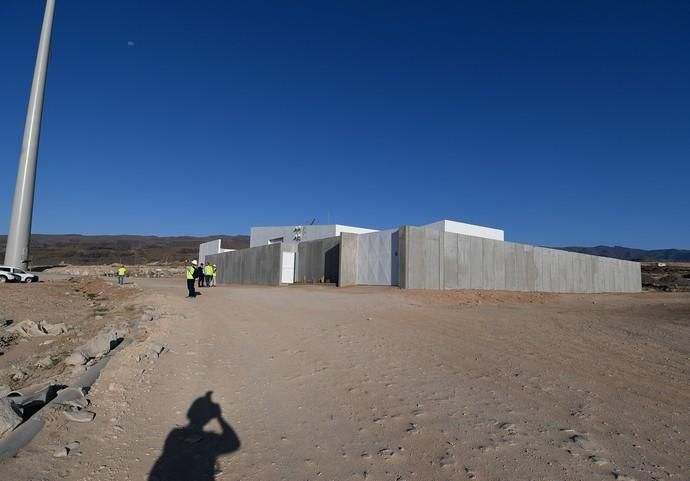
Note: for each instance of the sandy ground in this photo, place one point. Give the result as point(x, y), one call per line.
point(316, 383)
point(84, 305)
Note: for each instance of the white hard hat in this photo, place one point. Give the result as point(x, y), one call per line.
point(194, 262)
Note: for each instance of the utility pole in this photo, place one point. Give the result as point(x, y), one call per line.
point(19, 235)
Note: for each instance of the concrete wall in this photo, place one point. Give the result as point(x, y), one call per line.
point(318, 260)
point(209, 248)
point(466, 229)
point(369, 259)
point(257, 265)
point(430, 259)
point(377, 258)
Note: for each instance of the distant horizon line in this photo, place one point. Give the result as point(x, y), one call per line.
point(134, 235)
point(248, 235)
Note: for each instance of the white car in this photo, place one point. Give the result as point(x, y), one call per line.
point(6, 277)
point(18, 274)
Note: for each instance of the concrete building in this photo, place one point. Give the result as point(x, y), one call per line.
point(466, 229)
point(292, 234)
point(209, 248)
point(261, 236)
point(442, 255)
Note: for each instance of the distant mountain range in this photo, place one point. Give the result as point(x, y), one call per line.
point(49, 249)
point(627, 253)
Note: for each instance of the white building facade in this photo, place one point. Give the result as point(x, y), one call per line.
point(261, 236)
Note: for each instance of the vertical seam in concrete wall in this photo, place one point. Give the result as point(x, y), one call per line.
point(403, 257)
point(441, 260)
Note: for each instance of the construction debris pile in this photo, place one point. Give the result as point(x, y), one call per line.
point(145, 271)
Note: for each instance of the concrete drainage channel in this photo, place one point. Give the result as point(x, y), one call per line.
point(35, 406)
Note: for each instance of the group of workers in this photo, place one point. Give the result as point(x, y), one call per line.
point(205, 274)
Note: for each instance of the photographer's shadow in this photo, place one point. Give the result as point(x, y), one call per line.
point(190, 453)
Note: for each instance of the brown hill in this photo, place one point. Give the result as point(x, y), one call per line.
point(50, 249)
point(630, 254)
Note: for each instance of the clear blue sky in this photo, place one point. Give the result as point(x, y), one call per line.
point(564, 123)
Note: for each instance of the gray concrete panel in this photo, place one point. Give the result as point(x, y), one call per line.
point(487, 264)
point(431, 261)
point(464, 262)
point(539, 266)
point(450, 261)
point(377, 258)
point(258, 265)
point(318, 261)
point(551, 265)
point(510, 266)
point(476, 261)
point(531, 271)
point(415, 250)
point(403, 234)
point(564, 273)
point(589, 262)
point(578, 269)
point(520, 267)
point(499, 266)
point(607, 275)
point(348, 259)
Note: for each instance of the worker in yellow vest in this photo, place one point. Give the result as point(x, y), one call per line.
point(121, 273)
point(215, 272)
point(208, 273)
point(190, 272)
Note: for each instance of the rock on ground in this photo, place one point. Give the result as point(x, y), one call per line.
point(45, 363)
point(29, 328)
point(101, 345)
point(18, 375)
point(52, 329)
point(154, 350)
point(60, 452)
point(10, 416)
point(80, 416)
point(77, 358)
point(26, 328)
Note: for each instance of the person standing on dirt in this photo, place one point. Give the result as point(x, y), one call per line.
point(213, 277)
point(200, 274)
point(208, 274)
point(121, 273)
point(190, 272)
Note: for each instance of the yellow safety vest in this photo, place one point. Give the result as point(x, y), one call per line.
point(190, 272)
point(209, 270)
point(121, 271)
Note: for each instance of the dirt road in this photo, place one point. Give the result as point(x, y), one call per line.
point(309, 383)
